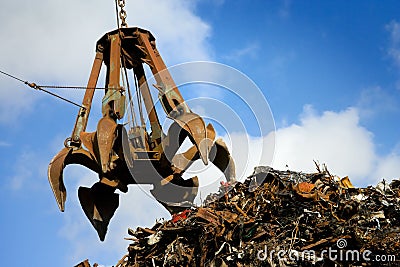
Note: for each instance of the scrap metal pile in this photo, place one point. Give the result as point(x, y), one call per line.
point(279, 218)
point(271, 218)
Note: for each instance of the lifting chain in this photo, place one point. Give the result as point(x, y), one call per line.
point(122, 13)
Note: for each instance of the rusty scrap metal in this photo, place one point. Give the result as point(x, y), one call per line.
point(272, 210)
point(85, 263)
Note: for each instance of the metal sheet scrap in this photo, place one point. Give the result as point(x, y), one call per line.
point(279, 218)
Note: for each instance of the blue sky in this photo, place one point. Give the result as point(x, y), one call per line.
point(330, 71)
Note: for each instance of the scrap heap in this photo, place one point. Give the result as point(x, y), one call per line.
point(279, 218)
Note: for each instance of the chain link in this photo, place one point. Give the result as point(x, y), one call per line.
point(122, 13)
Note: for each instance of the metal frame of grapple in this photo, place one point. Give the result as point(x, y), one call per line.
point(111, 151)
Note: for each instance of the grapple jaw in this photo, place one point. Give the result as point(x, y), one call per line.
point(99, 204)
point(175, 193)
point(55, 176)
point(67, 155)
point(195, 127)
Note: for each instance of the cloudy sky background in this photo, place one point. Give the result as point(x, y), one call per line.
point(329, 70)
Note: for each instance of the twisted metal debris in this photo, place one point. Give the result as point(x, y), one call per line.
point(279, 218)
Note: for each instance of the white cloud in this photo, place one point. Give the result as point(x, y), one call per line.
point(388, 168)
point(334, 138)
point(180, 34)
point(337, 139)
point(53, 42)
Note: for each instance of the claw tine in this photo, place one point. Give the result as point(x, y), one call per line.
point(196, 129)
point(55, 176)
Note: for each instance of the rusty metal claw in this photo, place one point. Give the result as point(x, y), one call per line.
point(194, 125)
point(127, 156)
point(55, 176)
point(99, 204)
point(56, 168)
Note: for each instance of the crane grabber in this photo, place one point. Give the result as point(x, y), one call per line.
point(132, 154)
